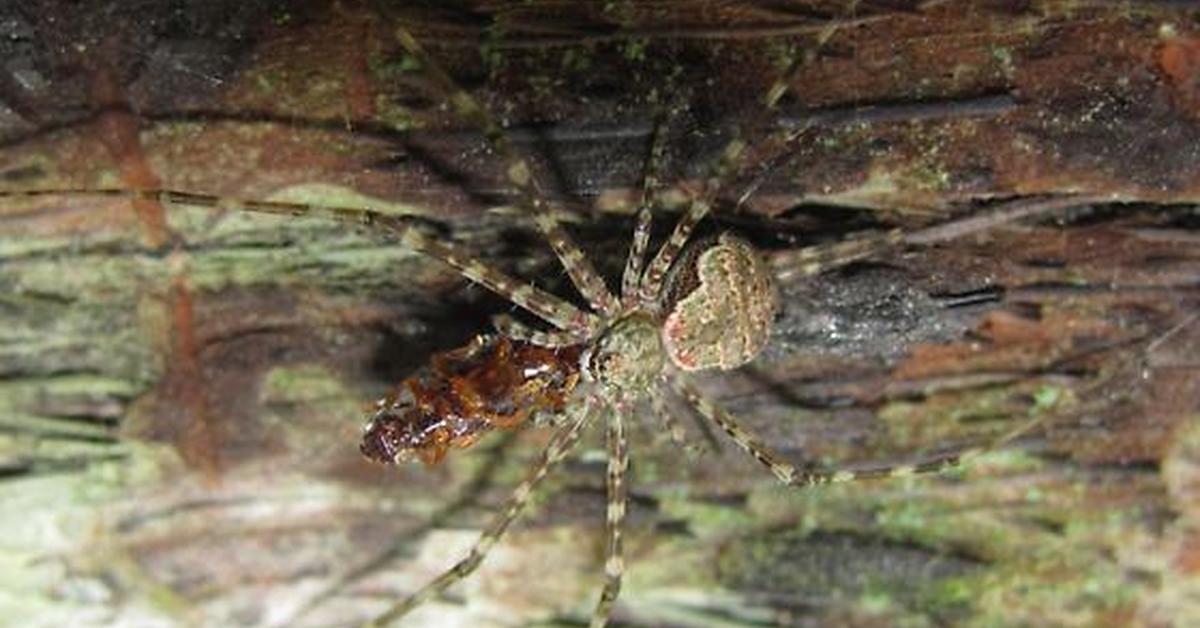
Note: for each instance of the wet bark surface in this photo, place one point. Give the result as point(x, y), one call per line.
point(183, 390)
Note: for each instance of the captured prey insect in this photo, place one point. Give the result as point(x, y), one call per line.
point(494, 382)
point(696, 304)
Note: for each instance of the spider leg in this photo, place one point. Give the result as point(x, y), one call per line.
point(550, 308)
point(512, 328)
point(641, 233)
point(751, 445)
point(406, 229)
point(729, 162)
point(658, 405)
point(614, 563)
point(813, 260)
point(560, 445)
point(637, 253)
point(582, 273)
point(790, 475)
point(652, 280)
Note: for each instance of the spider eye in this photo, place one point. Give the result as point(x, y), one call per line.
point(720, 302)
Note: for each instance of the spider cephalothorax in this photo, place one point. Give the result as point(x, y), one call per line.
point(628, 356)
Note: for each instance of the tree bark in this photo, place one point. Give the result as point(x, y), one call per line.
point(183, 389)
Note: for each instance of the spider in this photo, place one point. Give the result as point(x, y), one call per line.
point(693, 305)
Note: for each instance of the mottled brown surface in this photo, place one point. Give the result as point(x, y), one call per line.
point(182, 392)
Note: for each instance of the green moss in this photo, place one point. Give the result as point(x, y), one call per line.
point(953, 597)
point(1003, 57)
point(491, 52)
point(635, 49)
point(298, 384)
point(1046, 397)
point(951, 415)
point(576, 60)
point(22, 399)
point(265, 86)
point(46, 517)
point(1026, 574)
point(707, 519)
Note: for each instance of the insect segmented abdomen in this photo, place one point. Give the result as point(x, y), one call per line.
point(495, 382)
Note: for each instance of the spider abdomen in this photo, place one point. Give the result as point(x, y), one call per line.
point(720, 303)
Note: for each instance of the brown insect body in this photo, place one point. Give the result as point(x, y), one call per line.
point(495, 382)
